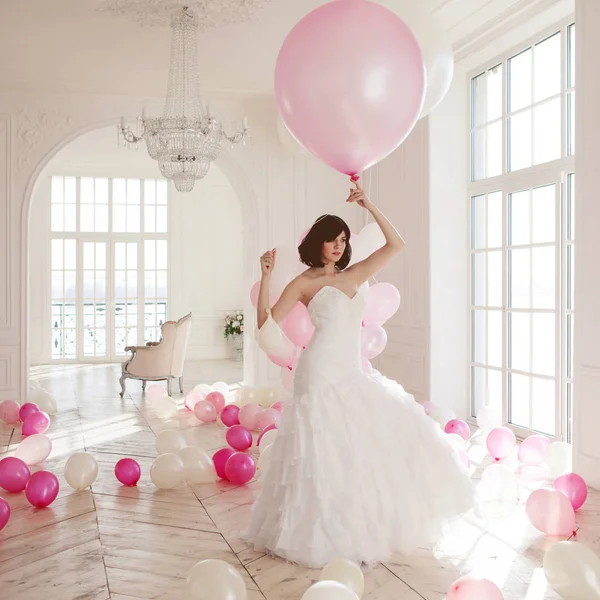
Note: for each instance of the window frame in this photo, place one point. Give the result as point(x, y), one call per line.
point(555, 172)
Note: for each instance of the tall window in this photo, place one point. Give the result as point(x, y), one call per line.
point(109, 265)
point(522, 194)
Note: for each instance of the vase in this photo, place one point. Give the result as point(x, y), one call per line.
point(236, 346)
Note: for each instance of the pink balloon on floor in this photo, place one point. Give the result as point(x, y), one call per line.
point(373, 340)
point(220, 458)
point(269, 428)
point(27, 409)
point(474, 588)
point(551, 512)
point(14, 474)
point(240, 468)
point(382, 302)
point(42, 489)
point(238, 437)
point(128, 471)
point(205, 411)
point(4, 513)
point(459, 427)
point(500, 443)
point(267, 417)
point(574, 488)
point(532, 449)
point(217, 400)
point(249, 414)
point(192, 398)
point(9, 412)
point(278, 406)
point(298, 326)
point(37, 422)
point(348, 106)
point(230, 415)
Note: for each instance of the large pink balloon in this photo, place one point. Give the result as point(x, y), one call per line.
point(551, 512)
point(4, 513)
point(298, 326)
point(37, 422)
point(474, 588)
point(42, 489)
point(373, 341)
point(9, 412)
point(573, 487)
point(350, 83)
point(500, 443)
point(255, 290)
point(383, 300)
point(532, 450)
point(240, 468)
point(14, 474)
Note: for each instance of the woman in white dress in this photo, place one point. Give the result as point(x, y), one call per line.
point(357, 470)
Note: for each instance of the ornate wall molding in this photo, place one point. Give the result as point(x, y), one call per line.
point(211, 14)
point(31, 129)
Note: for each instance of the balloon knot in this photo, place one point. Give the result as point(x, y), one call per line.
point(354, 177)
point(575, 533)
point(363, 324)
point(290, 368)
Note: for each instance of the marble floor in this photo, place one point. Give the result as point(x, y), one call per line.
point(127, 543)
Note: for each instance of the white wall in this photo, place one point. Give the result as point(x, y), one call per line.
point(586, 409)
point(205, 246)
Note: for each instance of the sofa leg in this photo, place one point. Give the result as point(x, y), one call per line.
point(144, 385)
point(122, 382)
point(169, 385)
point(181, 384)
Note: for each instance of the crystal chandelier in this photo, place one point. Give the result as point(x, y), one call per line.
point(187, 138)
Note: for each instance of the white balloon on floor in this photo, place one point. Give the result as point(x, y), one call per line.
point(165, 407)
point(347, 573)
point(170, 440)
point(329, 590)
point(44, 399)
point(34, 449)
point(81, 470)
point(267, 439)
point(573, 571)
point(264, 458)
point(198, 465)
point(559, 457)
point(214, 580)
point(166, 471)
point(221, 387)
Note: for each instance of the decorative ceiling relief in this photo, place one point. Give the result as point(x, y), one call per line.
point(211, 13)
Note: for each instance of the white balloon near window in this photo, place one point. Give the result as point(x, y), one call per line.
point(435, 48)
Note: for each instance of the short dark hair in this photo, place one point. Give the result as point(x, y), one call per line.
point(325, 229)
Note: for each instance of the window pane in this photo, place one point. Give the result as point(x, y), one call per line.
point(520, 342)
point(547, 134)
point(519, 130)
point(494, 93)
point(571, 123)
point(543, 405)
point(519, 218)
point(119, 218)
point(133, 219)
point(570, 277)
point(520, 284)
point(70, 217)
point(133, 191)
point(543, 203)
point(478, 346)
point(519, 400)
point(150, 219)
point(478, 388)
point(478, 222)
point(494, 149)
point(478, 279)
point(544, 277)
point(571, 206)
point(101, 190)
point(478, 154)
point(571, 56)
point(161, 191)
point(162, 222)
point(57, 217)
point(149, 191)
point(86, 212)
point(547, 62)
point(494, 278)
point(119, 194)
point(544, 340)
point(479, 93)
point(150, 254)
point(494, 338)
point(494, 390)
point(570, 332)
point(57, 190)
point(86, 189)
point(101, 218)
point(70, 190)
point(494, 220)
point(161, 254)
point(57, 254)
point(519, 80)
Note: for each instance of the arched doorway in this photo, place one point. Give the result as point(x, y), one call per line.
point(233, 244)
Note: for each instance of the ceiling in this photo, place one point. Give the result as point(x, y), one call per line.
point(71, 46)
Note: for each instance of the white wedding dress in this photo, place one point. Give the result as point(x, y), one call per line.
point(357, 470)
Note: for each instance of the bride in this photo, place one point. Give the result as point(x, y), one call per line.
point(357, 470)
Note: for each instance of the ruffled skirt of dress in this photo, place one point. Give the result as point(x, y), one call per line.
point(357, 471)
